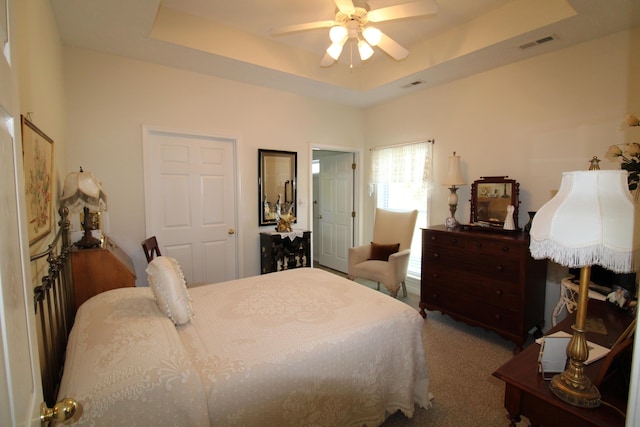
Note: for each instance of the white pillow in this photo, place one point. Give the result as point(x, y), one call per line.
point(170, 290)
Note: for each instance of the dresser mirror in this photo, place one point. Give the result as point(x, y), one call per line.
point(277, 177)
point(490, 197)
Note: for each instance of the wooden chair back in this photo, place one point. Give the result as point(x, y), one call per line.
point(150, 247)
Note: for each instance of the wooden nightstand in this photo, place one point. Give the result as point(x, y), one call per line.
point(527, 394)
point(100, 269)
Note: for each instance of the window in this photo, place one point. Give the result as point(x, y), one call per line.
point(402, 178)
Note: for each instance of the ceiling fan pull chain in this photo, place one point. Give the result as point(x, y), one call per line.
point(351, 54)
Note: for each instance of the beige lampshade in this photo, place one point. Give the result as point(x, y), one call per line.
point(589, 221)
point(454, 175)
point(82, 189)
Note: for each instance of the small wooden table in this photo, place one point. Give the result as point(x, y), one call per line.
point(527, 394)
point(100, 269)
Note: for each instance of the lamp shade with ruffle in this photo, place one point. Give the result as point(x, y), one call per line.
point(590, 221)
point(83, 191)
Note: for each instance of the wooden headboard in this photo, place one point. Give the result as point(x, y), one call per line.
point(54, 306)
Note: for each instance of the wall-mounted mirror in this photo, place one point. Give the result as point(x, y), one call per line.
point(490, 196)
point(277, 178)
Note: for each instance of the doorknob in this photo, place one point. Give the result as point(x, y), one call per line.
point(231, 231)
point(60, 412)
point(320, 216)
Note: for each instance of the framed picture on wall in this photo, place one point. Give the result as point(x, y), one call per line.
point(37, 157)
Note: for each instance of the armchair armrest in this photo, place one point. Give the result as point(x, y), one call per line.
point(400, 263)
point(358, 254)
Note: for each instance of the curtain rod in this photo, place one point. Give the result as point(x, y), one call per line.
point(432, 141)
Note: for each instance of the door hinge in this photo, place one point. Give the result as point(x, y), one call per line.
point(353, 214)
point(353, 166)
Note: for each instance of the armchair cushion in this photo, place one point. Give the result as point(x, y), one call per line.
point(383, 252)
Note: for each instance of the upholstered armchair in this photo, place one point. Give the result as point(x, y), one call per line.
point(386, 259)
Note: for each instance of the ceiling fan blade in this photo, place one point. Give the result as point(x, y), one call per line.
point(327, 61)
point(345, 6)
point(301, 27)
point(392, 48)
point(406, 10)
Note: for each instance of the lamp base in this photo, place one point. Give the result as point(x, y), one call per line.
point(572, 385)
point(577, 393)
point(451, 222)
point(87, 242)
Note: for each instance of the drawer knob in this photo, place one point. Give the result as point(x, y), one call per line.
point(478, 245)
point(499, 292)
point(436, 255)
point(499, 267)
point(505, 249)
point(433, 237)
point(454, 241)
point(435, 275)
point(497, 316)
point(435, 296)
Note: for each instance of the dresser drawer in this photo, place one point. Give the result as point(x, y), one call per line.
point(496, 248)
point(440, 240)
point(465, 306)
point(502, 269)
point(482, 289)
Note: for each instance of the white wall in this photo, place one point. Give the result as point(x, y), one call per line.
point(110, 98)
point(41, 85)
point(531, 120)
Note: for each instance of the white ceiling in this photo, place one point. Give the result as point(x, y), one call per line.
point(230, 39)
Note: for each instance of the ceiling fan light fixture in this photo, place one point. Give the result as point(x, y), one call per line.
point(335, 50)
point(337, 34)
point(372, 35)
point(365, 50)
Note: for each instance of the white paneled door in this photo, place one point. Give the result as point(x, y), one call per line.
point(190, 202)
point(335, 210)
point(20, 383)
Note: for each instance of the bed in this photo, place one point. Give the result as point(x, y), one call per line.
point(297, 347)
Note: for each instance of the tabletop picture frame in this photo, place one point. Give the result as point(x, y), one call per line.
point(37, 158)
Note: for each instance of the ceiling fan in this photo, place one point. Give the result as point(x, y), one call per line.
point(353, 21)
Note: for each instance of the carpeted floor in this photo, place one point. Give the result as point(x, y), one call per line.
point(461, 360)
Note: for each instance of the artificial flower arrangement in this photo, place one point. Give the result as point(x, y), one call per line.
point(629, 157)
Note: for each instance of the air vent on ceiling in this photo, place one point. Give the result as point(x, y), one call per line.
point(412, 84)
point(537, 42)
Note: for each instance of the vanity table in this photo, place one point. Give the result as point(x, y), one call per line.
point(284, 250)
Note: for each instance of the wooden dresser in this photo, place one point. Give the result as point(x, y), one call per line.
point(485, 279)
point(100, 269)
point(283, 251)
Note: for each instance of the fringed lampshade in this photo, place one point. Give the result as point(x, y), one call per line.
point(83, 191)
point(589, 221)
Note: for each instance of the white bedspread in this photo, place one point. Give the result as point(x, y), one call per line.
point(126, 366)
point(301, 347)
point(307, 348)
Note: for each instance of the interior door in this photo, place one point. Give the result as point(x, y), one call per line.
point(190, 202)
point(335, 207)
point(20, 383)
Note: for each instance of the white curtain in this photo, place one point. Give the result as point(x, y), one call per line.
point(406, 163)
point(402, 175)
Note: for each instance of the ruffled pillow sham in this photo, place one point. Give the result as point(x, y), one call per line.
point(169, 289)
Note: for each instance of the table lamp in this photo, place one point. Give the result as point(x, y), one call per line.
point(453, 180)
point(589, 221)
point(82, 190)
